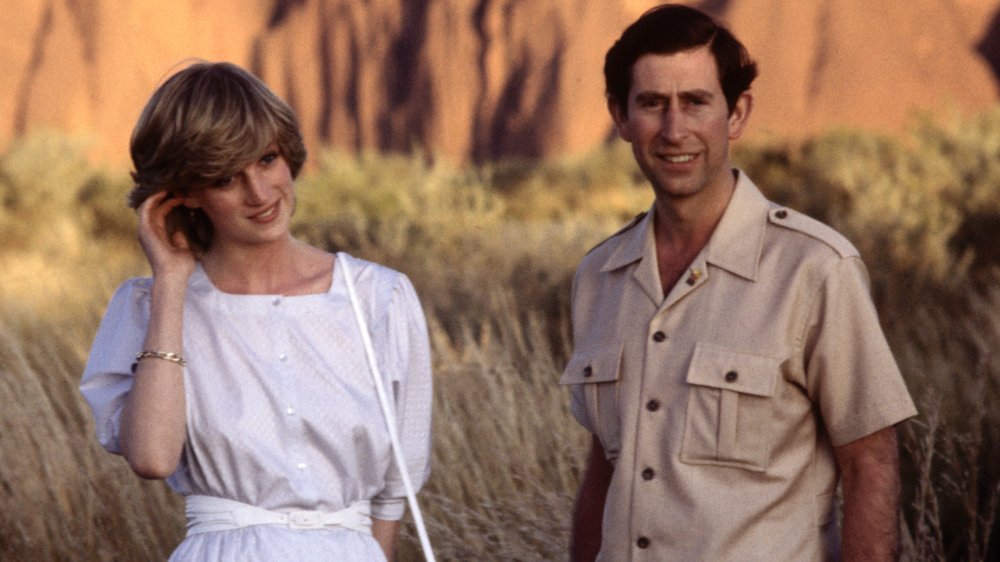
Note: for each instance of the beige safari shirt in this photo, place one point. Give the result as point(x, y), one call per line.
point(720, 405)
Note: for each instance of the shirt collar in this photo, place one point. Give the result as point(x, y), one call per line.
point(735, 245)
point(634, 243)
point(738, 239)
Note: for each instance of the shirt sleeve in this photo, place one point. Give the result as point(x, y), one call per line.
point(578, 408)
point(407, 357)
point(107, 378)
point(850, 369)
point(577, 398)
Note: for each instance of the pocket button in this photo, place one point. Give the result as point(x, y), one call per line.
point(588, 371)
point(731, 376)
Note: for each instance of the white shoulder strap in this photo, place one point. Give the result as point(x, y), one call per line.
point(387, 411)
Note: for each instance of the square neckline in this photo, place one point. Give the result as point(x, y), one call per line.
point(200, 277)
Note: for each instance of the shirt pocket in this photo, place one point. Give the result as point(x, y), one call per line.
point(730, 410)
point(597, 371)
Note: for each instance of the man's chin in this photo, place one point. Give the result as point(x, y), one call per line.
point(678, 188)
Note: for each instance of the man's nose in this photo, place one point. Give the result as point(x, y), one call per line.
point(673, 127)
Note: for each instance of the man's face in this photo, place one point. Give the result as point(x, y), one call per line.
point(679, 124)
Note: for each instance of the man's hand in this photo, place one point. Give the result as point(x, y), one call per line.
point(588, 514)
point(870, 475)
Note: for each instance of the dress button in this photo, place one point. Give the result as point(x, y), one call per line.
point(659, 336)
point(588, 371)
point(642, 542)
point(731, 376)
point(653, 405)
point(648, 474)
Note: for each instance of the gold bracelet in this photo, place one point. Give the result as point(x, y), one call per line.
point(165, 355)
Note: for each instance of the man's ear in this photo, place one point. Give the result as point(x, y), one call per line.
point(740, 115)
point(620, 116)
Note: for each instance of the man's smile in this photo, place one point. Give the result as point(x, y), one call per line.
point(678, 158)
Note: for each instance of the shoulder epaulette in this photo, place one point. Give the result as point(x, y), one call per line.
point(794, 220)
point(629, 225)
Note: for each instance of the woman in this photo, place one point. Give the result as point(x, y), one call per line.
point(237, 371)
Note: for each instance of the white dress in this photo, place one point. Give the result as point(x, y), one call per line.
point(281, 409)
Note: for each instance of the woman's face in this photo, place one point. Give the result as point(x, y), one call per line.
point(253, 206)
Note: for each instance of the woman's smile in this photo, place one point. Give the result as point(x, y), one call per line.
point(267, 215)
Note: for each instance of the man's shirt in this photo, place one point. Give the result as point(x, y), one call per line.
point(720, 404)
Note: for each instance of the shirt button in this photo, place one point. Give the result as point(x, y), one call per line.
point(642, 542)
point(290, 411)
point(648, 474)
point(659, 336)
point(301, 466)
point(276, 301)
point(283, 357)
point(653, 405)
point(588, 371)
point(731, 376)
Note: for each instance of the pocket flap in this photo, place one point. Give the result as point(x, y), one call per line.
point(738, 371)
point(593, 364)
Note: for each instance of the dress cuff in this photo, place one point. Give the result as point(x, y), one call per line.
point(388, 509)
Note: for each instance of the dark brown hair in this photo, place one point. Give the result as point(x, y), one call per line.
point(673, 28)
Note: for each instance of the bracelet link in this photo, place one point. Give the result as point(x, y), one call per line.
point(165, 355)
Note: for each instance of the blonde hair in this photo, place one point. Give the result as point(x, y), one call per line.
point(204, 123)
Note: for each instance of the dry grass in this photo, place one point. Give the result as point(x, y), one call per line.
point(491, 251)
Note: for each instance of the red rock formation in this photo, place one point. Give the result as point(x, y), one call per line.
point(477, 79)
point(867, 63)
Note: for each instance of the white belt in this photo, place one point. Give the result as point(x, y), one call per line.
point(206, 514)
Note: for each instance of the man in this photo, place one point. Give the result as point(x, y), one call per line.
point(728, 358)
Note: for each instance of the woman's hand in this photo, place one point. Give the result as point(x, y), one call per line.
point(168, 253)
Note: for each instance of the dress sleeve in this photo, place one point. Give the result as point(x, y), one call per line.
point(851, 372)
point(107, 377)
point(407, 358)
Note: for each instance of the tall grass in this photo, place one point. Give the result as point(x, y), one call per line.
point(491, 251)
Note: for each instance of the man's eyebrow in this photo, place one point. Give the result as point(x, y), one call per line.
point(699, 93)
point(651, 95)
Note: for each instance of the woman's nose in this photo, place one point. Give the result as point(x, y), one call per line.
point(257, 187)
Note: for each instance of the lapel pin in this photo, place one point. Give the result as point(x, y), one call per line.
point(694, 277)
